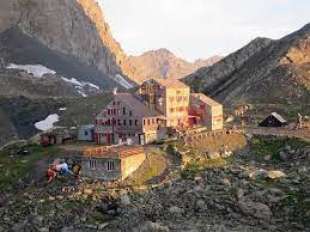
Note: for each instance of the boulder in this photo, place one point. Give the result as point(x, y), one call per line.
point(227, 154)
point(255, 209)
point(261, 173)
point(88, 191)
point(125, 200)
point(213, 155)
point(151, 227)
point(175, 210)
point(275, 174)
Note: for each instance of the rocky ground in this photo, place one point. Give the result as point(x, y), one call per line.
point(265, 187)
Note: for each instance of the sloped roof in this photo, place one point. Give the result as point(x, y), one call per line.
point(86, 127)
point(113, 152)
point(278, 117)
point(202, 97)
point(171, 83)
point(137, 106)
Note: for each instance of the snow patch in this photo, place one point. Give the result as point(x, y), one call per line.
point(123, 82)
point(36, 70)
point(47, 123)
point(79, 85)
point(62, 109)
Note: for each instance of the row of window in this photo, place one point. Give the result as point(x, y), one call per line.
point(110, 165)
point(119, 122)
point(178, 99)
point(117, 111)
point(178, 109)
point(150, 122)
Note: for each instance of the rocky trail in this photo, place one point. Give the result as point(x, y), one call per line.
point(258, 189)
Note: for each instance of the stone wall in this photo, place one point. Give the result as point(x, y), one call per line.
point(100, 171)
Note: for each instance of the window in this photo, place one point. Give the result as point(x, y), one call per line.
point(148, 122)
point(136, 122)
point(86, 133)
point(171, 110)
point(110, 165)
point(93, 164)
point(130, 113)
point(130, 122)
point(109, 112)
point(119, 122)
point(125, 122)
point(124, 111)
point(153, 121)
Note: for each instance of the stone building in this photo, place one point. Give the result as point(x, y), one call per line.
point(110, 164)
point(205, 111)
point(170, 98)
point(157, 106)
point(127, 118)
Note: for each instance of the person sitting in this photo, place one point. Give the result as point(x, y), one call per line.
point(51, 173)
point(63, 169)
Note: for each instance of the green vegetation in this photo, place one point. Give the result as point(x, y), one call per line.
point(154, 166)
point(83, 110)
point(15, 167)
point(262, 146)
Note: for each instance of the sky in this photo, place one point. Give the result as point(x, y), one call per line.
point(195, 29)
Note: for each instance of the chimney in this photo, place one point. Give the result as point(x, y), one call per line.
point(115, 91)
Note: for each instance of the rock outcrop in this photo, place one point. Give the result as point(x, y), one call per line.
point(76, 28)
point(266, 71)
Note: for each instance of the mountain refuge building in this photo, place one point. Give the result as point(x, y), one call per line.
point(147, 115)
point(110, 164)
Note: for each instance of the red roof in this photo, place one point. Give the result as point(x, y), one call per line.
point(205, 99)
point(113, 152)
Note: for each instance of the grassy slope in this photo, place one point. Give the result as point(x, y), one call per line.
point(16, 167)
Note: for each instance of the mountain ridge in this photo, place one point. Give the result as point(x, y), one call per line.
point(263, 71)
point(162, 63)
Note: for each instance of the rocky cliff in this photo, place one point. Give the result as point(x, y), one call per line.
point(73, 27)
point(265, 71)
point(164, 64)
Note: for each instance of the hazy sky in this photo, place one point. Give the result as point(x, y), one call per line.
point(201, 28)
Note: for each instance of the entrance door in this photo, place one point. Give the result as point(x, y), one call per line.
point(142, 139)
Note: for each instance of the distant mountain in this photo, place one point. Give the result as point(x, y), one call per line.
point(164, 64)
point(264, 71)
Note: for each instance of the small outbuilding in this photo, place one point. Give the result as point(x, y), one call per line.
point(110, 164)
point(274, 120)
point(55, 136)
point(86, 133)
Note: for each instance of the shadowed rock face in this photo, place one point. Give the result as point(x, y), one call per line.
point(75, 28)
point(9, 15)
point(263, 71)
